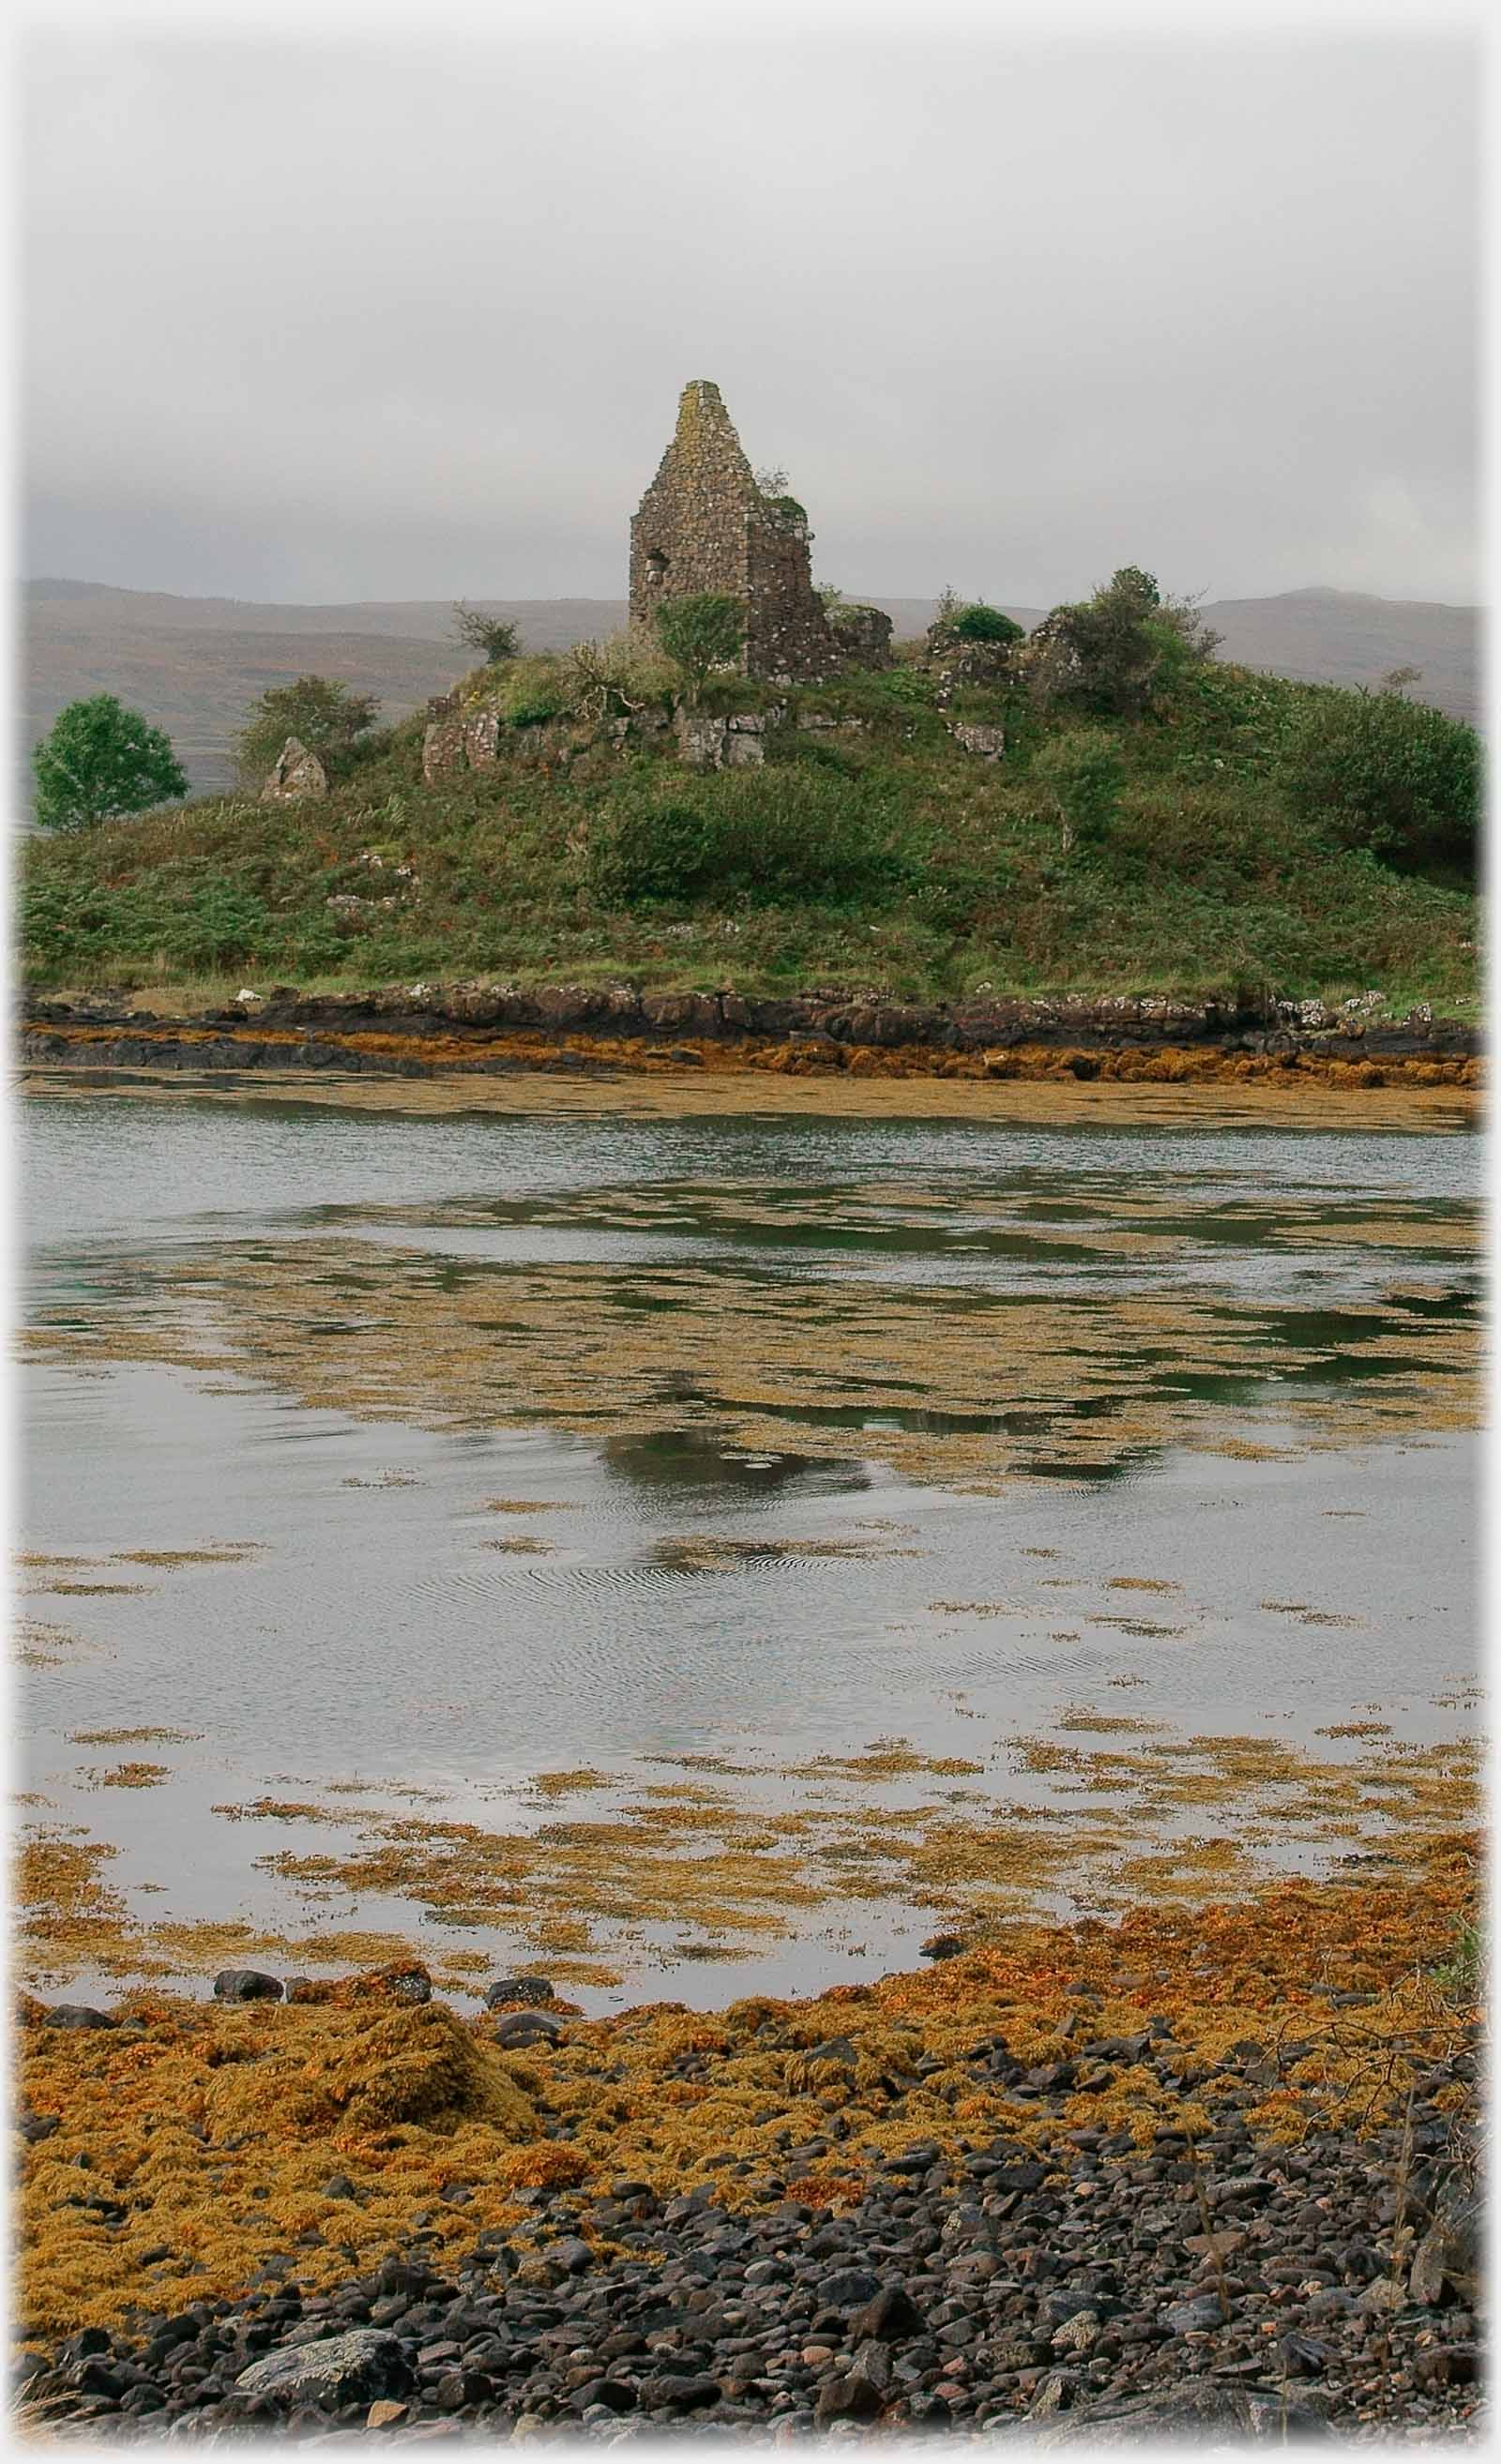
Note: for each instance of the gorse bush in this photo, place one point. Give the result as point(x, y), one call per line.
point(1374, 771)
point(772, 836)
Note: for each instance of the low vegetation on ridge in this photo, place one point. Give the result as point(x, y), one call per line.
point(1157, 821)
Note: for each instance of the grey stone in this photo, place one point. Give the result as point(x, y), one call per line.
point(987, 743)
point(359, 2367)
point(443, 748)
point(701, 739)
point(296, 773)
point(848, 2285)
point(1198, 2410)
point(1194, 2317)
point(1448, 2254)
point(77, 2015)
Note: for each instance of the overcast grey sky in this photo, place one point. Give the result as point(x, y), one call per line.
point(324, 318)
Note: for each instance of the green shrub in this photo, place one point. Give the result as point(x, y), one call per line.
point(1396, 776)
point(1122, 652)
point(101, 762)
point(221, 925)
point(1084, 772)
point(768, 837)
point(196, 925)
point(979, 623)
point(528, 693)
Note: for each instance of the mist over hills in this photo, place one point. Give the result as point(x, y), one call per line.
point(193, 665)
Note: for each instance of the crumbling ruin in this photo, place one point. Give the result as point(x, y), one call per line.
point(705, 525)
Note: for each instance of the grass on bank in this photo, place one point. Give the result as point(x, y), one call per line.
point(1162, 854)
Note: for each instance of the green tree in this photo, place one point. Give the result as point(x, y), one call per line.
point(323, 714)
point(1377, 771)
point(100, 761)
point(701, 632)
point(491, 638)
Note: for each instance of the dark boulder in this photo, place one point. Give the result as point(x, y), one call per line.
point(507, 1991)
point(247, 1985)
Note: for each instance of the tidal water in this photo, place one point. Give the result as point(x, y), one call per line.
point(1191, 1442)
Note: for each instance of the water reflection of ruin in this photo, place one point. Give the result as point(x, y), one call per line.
point(688, 1460)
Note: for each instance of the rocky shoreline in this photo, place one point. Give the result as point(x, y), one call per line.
point(1034, 2191)
point(1227, 2289)
point(427, 1031)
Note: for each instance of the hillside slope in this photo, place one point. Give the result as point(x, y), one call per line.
point(855, 841)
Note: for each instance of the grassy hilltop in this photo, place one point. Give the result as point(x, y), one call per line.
point(1181, 850)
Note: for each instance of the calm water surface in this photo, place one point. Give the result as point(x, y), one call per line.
point(377, 1633)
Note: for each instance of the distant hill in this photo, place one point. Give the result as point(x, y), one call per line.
point(194, 665)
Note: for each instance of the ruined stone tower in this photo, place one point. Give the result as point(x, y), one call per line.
point(705, 525)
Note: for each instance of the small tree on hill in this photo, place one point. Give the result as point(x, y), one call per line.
point(323, 714)
point(701, 632)
point(493, 638)
point(101, 762)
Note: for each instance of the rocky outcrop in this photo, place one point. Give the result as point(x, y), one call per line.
point(460, 737)
point(426, 1030)
point(297, 773)
point(707, 742)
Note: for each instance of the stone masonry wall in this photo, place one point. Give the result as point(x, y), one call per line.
point(703, 524)
point(787, 636)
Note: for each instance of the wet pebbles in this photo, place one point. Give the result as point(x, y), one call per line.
point(1229, 2288)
